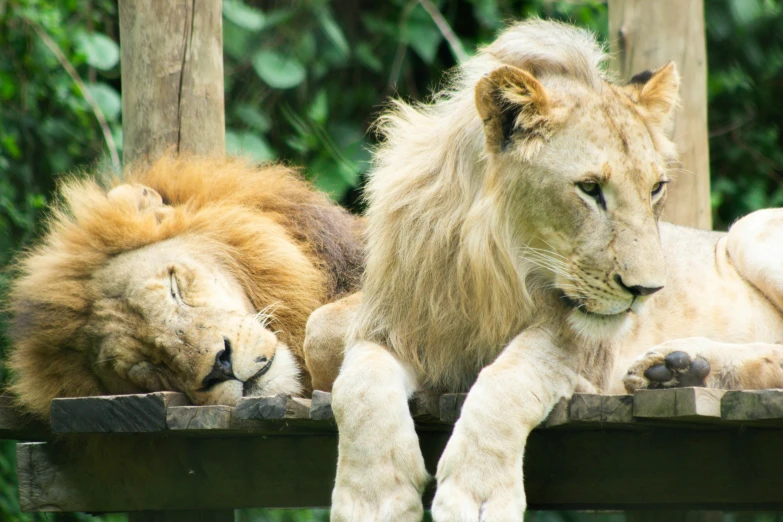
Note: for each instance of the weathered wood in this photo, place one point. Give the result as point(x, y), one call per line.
point(199, 417)
point(321, 406)
point(212, 515)
point(172, 78)
point(755, 405)
point(684, 404)
point(16, 425)
point(275, 407)
point(114, 413)
point(645, 35)
point(451, 406)
point(658, 467)
point(587, 409)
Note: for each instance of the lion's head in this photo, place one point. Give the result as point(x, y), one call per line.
point(529, 190)
point(193, 275)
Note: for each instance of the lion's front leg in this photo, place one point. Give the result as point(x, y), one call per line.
point(380, 469)
point(697, 361)
point(480, 472)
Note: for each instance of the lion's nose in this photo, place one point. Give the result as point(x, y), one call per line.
point(637, 290)
point(221, 370)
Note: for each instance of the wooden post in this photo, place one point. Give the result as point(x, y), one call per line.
point(646, 34)
point(172, 78)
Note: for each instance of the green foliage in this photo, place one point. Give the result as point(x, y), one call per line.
point(745, 51)
point(304, 80)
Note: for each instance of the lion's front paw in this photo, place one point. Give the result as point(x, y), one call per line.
point(476, 487)
point(667, 366)
point(456, 501)
point(376, 501)
point(383, 485)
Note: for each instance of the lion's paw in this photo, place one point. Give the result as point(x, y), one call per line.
point(382, 503)
point(667, 366)
point(475, 486)
point(457, 502)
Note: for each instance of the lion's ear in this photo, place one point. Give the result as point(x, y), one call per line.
point(511, 102)
point(656, 92)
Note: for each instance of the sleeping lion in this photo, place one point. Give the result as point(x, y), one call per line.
point(515, 249)
point(193, 275)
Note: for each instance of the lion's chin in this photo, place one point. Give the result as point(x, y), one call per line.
point(283, 377)
point(599, 327)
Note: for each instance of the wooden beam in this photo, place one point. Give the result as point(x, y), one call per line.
point(661, 467)
point(691, 404)
point(753, 405)
point(114, 413)
point(645, 34)
point(172, 78)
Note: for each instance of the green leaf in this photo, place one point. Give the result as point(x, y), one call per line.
point(277, 70)
point(107, 99)
point(243, 15)
point(101, 51)
point(319, 108)
point(248, 144)
point(236, 41)
point(422, 35)
point(366, 57)
point(333, 32)
point(253, 117)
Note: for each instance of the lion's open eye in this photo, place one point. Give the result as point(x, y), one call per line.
point(593, 190)
point(657, 189)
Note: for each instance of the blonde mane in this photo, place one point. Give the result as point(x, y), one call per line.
point(441, 269)
point(288, 246)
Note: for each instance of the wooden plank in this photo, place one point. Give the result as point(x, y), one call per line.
point(658, 467)
point(450, 406)
point(199, 417)
point(114, 413)
point(753, 405)
point(646, 35)
point(321, 406)
point(588, 409)
point(206, 515)
point(172, 78)
point(680, 404)
point(275, 407)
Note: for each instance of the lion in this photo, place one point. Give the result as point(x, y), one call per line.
point(515, 249)
point(189, 274)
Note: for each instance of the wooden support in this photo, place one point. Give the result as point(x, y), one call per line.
point(647, 34)
point(586, 409)
point(692, 404)
point(756, 405)
point(321, 407)
point(172, 78)
point(662, 467)
point(114, 413)
point(277, 407)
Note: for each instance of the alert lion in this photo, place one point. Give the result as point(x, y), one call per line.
point(514, 249)
point(194, 275)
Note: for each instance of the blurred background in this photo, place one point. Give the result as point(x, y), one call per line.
point(304, 80)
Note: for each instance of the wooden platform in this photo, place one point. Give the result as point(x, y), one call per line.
point(684, 448)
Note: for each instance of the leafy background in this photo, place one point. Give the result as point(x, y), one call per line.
point(304, 79)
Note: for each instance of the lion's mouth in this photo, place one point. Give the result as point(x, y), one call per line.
point(252, 383)
point(580, 305)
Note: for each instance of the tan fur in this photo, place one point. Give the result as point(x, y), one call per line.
point(514, 249)
point(461, 241)
point(241, 239)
